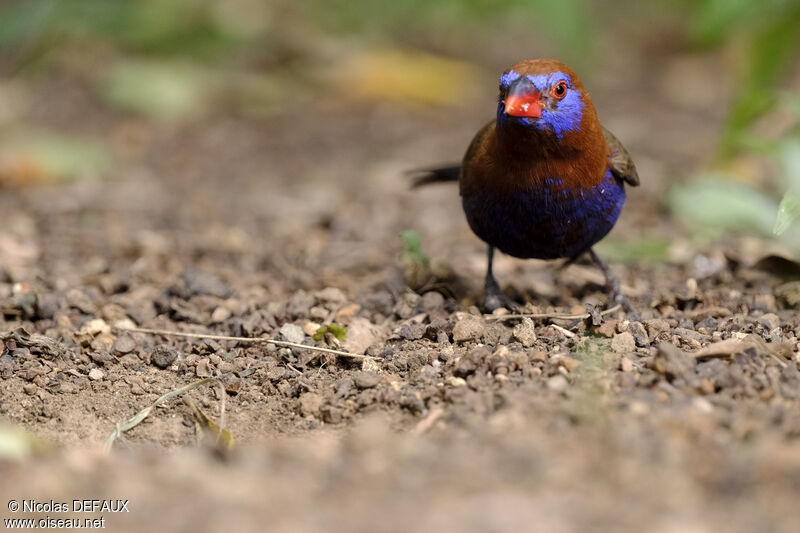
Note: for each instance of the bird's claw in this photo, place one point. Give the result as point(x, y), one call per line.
point(617, 297)
point(496, 298)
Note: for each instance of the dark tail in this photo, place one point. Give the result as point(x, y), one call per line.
point(426, 176)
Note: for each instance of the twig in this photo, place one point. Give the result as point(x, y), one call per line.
point(428, 422)
point(553, 316)
point(565, 331)
point(135, 420)
point(244, 339)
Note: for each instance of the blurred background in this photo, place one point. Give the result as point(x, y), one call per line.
point(266, 144)
point(704, 93)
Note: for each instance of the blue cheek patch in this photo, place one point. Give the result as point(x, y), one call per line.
point(566, 116)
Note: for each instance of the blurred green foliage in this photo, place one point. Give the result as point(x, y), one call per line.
point(149, 26)
point(169, 52)
point(765, 37)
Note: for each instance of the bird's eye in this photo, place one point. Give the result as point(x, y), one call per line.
point(559, 90)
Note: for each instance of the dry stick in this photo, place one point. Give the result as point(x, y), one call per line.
point(555, 316)
point(244, 339)
point(135, 420)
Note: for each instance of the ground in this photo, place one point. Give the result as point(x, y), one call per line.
point(236, 225)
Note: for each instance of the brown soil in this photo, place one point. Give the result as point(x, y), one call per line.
point(238, 225)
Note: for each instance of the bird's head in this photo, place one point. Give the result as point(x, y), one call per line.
point(543, 96)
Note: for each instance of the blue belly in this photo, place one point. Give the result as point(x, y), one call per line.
point(547, 221)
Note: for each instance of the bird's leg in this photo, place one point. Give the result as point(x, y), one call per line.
point(615, 295)
point(494, 296)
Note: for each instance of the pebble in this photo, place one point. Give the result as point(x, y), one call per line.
point(310, 403)
point(163, 356)
point(30, 388)
point(203, 283)
point(331, 294)
point(639, 334)
point(292, 333)
point(558, 383)
point(607, 328)
point(95, 327)
point(203, 369)
point(525, 332)
point(469, 328)
point(367, 380)
point(124, 344)
point(770, 321)
point(623, 343)
point(431, 301)
point(220, 314)
point(310, 328)
point(568, 363)
point(625, 364)
point(655, 326)
point(96, 374)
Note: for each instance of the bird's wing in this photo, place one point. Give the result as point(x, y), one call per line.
point(620, 161)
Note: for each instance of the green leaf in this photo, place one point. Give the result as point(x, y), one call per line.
point(413, 250)
point(711, 203)
point(161, 89)
point(788, 211)
point(340, 332)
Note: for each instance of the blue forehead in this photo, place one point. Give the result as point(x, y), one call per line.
point(564, 118)
point(540, 81)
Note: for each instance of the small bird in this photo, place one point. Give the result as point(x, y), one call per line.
point(544, 179)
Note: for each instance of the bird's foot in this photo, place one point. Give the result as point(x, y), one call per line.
point(496, 298)
point(617, 297)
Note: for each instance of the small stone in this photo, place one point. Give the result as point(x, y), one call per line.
point(123, 344)
point(432, 301)
point(96, 374)
point(607, 328)
point(95, 327)
point(220, 314)
point(568, 363)
point(310, 403)
point(292, 333)
point(557, 383)
point(361, 334)
point(454, 381)
point(655, 327)
point(469, 363)
point(770, 321)
point(639, 334)
point(233, 384)
point(331, 294)
point(101, 357)
point(299, 304)
point(203, 369)
point(203, 283)
point(625, 364)
point(673, 363)
point(411, 332)
point(310, 328)
point(346, 313)
point(623, 343)
point(30, 389)
point(525, 332)
point(163, 356)
point(468, 328)
point(367, 380)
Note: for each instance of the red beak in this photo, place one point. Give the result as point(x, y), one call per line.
point(523, 99)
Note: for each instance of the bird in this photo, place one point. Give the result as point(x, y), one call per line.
point(543, 179)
